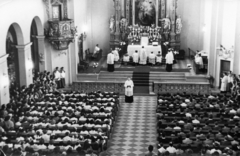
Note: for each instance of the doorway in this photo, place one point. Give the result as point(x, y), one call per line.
point(224, 67)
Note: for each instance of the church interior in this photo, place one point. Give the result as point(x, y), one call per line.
point(119, 77)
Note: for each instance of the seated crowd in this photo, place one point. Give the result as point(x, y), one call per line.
point(39, 118)
point(199, 124)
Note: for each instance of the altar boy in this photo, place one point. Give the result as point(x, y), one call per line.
point(135, 57)
point(110, 62)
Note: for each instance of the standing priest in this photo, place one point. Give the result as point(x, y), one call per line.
point(169, 60)
point(129, 90)
point(110, 62)
point(143, 56)
point(135, 57)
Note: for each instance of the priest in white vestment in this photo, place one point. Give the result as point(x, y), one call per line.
point(169, 61)
point(199, 60)
point(143, 56)
point(159, 58)
point(110, 62)
point(152, 58)
point(57, 77)
point(96, 50)
point(224, 82)
point(129, 90)
point(135, 57)
point(116, 55)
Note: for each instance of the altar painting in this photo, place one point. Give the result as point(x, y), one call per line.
point(145, 12)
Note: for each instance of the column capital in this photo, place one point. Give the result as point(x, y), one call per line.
point(3, 58)
point(24, 47)
point(40, 37)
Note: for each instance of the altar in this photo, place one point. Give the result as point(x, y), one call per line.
point(149, 48)
point(144, 42)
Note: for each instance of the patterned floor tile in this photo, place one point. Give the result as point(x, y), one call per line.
point(135, 127)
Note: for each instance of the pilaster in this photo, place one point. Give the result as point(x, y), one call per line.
point(25, 67)
point(4, 79)
point(42, 53)
point(236, 63)
point(212, 60)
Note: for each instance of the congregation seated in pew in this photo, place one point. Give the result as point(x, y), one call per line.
point(62, 121)
point(202, 124)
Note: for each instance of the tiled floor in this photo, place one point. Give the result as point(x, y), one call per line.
point(135, 128)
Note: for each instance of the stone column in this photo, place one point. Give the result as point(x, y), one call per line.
point(128, 11)
point(117, 19)
point(173, 18)
point(236, 63)
point(24, 58)
point(157, 13)
point(123, 8)
point(41, 53)
point(215, 39)
point(163, 9)
point(133, 12)
point(4, 79)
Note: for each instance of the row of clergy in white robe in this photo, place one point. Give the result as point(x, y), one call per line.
point(112, 57)
point(141, 57)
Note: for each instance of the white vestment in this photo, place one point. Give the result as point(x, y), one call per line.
point(126, 58)
point(152, 58)
point(224, 82)
point(159, 59)
point(135, 57)
point(143, 56)
point(110, 58)
point(57, 75)
point(96, 49)
point(116, 55)
point(199, 61)
point(169, 58)
point(129, 88)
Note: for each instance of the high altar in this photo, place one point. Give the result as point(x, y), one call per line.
point(144, 22)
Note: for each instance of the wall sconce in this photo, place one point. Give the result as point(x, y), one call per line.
point(41, 58)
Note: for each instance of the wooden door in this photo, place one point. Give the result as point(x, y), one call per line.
point(224, 67)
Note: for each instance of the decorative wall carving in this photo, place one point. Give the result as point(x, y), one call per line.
point(61, 33)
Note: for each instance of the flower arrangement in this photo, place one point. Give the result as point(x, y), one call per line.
point(95, 65)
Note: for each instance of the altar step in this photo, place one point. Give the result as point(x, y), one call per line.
point(165, 76)
point(114, 76)
point(87, 77)
point(196, 78)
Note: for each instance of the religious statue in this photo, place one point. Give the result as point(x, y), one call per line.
point(166, 24)
point(123, 28)
point(123, 25)
point(178, 27)
point(112, 24)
